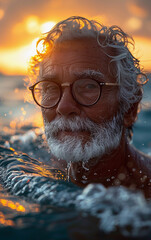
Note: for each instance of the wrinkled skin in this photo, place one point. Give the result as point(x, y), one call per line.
point(122, 166)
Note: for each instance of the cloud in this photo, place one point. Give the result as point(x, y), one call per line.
point(13, 24)
point(142, 10)
point(21, 21)
point(15, 11)
point(134, 24)
point(145, 4)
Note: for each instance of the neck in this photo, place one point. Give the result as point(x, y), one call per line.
point(100, 170)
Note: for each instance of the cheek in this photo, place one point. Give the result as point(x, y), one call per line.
point(96, 114)
point(48, 114)
point(103, 110)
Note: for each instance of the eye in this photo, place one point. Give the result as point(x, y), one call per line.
point(90, 86)
point(46, 86)
point(86, 91)
point(49, 87)
point(86, 85)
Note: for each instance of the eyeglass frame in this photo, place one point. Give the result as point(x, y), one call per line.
point(71, 84)
point(66, 84)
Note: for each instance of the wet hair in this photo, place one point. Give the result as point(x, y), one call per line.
point(122, 65)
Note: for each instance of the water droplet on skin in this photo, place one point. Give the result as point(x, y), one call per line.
point(108, 179)
point(109, 170)
point(143, 179)
point(68, 170)
point(133, 169)
point(84, 182)
point(128, 156)
point(112, 177)
point(95, 174)
point(117, 182)
point(121, 176)
point(85, 168)
point(140, 171)
point(84, 177)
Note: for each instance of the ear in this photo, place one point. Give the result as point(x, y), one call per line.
point(131, 116)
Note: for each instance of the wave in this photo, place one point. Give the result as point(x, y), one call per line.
point(117, 208)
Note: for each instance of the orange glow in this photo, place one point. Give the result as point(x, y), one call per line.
point(10, 204)
point(36, 120)
point(45, 172)
point(16, 90)
point(5, 222)
point(23, 111)
point(8, 130)
point(1, 13)
point(136, 10)
point(15, 60)
point(12, 149)
point(13, 124)
point(29, 25)
point(143, 52)
point(45, 27)
point(134, 23)
point(32, 24)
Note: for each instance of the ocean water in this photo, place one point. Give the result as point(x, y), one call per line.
point(38, 202)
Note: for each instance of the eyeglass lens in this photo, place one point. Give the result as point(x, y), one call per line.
point(85, 91)
point(47, 94)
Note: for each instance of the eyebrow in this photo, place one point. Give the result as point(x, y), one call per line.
point(48, 77)
point(89, 73)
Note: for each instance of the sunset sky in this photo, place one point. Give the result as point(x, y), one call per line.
point(23, 21)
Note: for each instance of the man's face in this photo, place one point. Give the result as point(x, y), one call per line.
point(72, 60)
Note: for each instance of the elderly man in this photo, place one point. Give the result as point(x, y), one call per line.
point(89, 86)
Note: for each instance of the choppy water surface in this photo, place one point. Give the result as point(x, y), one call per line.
point(38, 202)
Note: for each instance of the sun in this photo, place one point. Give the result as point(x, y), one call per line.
point(15, 60)
point(32, 24)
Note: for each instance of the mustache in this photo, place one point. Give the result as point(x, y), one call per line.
point(75, 124)
point(103, 138)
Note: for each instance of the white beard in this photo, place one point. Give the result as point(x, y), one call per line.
point(103, 139)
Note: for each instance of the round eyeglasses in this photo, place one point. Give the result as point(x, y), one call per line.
point(86, 92)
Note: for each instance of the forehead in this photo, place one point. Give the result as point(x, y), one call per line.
point(76, 55)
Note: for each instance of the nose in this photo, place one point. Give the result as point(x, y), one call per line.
point(67, 106)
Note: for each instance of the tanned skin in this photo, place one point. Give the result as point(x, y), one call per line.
point(124, 165)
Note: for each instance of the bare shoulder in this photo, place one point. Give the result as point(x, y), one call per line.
point(143, 159)
point(139, 168)
point(139, 159)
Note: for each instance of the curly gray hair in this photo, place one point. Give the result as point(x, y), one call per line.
point(115, 43)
